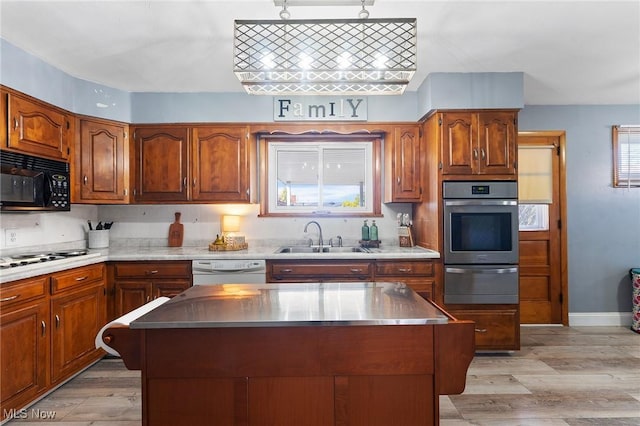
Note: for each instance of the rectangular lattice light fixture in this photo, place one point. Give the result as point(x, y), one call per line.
point(324, 57)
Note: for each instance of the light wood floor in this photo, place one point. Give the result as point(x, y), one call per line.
point(562, 376)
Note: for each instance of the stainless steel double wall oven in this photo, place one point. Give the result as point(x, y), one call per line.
point(480, 242)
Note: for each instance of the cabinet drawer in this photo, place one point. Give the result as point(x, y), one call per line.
point(404, 268)
point(76, 277)
point(21, 291)
point(321, 271)
point(495, 329)
point(151, 269)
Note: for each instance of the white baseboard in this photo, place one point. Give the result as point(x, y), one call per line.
point(600, 319)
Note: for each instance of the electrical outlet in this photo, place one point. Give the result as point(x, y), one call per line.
point(11, 237)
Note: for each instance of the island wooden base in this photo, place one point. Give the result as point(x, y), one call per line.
point(316, 375)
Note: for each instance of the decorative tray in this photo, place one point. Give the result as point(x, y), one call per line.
point(228, 247)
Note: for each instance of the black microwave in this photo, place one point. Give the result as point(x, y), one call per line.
point(33, 183)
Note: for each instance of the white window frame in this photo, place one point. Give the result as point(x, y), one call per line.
point(626, 156)
point(269, 146)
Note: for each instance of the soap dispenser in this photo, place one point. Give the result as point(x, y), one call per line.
point(365, 231)
point(373, 231)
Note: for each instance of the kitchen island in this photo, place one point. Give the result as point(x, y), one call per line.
point(360, 353)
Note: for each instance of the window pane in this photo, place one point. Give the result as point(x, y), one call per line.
point(322, 176)
point(535, 174)
point(533, 217)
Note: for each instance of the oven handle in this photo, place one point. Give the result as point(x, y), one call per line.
point(480, 202)
point(481, 270)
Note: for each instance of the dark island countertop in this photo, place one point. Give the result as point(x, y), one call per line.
point(287, 305)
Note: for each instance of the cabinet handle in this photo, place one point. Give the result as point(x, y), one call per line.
point(43, 325)
point(247, 192)
point(475, 153)
point(194, 182)
point(356, 270)
point(152, 272)
point(148, 298)
point(481, 330)
point(398, 179)
point(404, 269)
point(85, 179)
point(184, 182)
point(82, 278)
point(6, 299)
point(15, 123)
point(482, 154)
point(286, 270)
point(57, 321)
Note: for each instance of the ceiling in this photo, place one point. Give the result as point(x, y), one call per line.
point(571, 52)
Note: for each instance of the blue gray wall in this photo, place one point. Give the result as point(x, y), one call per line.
point(603, 222)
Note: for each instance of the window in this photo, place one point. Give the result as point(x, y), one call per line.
point(313, 175)
point(535, 186)
point(626, 156)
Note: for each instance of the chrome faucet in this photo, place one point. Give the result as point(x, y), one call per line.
point(320, 242)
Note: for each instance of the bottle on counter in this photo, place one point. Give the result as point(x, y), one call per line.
point(365, 231)
point(373, 231)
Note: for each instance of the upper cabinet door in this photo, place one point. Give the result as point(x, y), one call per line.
point(402, 162)
point(220, 164)
point(161, 164)
point(37, 129)
point(104, 162)
point(478, 142)
point(497, 143)
point(459, 148)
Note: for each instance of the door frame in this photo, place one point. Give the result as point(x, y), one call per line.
point(564, 269)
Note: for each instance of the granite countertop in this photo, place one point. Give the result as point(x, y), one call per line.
point(159, 253)
point(289, 305)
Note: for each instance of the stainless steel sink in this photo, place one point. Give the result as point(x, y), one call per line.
point(345, 250)
point(298, 249)
point(308, 249)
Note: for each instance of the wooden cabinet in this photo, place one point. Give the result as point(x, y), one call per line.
point(36, 128)
point(220, 164)
point(420, 275)
point(200, 164)
point(24, 342)
point(496, 328)
point(402, 165)
point(78, 311)
point(48, 326)
point(160, 164)
point(137, 283)
point(101, 164)
point(318, 270)
point(477, 143)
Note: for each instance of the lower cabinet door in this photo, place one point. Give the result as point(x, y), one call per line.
point(131, 295)
point(24, 337)
point(76, 318)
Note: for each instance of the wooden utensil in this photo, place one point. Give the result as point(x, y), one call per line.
point(176, 232)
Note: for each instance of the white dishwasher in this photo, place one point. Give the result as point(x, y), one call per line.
point(228, 271)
